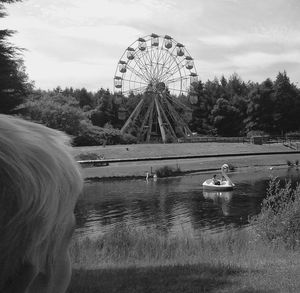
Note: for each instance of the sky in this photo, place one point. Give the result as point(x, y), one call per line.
point(79, 43)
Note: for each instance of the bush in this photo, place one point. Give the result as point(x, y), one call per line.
point(167, 171)
point(90, 135)
point(256, 133)
point(279, 219)
point(128, 139)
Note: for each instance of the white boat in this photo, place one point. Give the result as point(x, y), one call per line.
point(223, 185)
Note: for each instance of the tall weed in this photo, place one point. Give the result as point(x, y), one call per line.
point(279, 219)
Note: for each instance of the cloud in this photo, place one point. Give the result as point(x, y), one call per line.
point(258, 59)
point(84, 40)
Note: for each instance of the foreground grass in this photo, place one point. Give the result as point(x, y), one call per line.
point(129, 260)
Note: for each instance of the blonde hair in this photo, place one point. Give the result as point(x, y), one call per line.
point(39, 185)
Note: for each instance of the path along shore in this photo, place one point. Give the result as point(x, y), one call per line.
point(130, 161)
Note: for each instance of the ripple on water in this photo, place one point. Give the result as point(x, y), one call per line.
point(175, 205)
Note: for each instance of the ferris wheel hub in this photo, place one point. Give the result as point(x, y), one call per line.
point(156, 86)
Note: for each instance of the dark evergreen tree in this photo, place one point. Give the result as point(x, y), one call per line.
point(225, 117)
point(286, 103)
point(201, 110)
point(84, 98)
point(13, 79)
point(260, 108)
point(104, 112)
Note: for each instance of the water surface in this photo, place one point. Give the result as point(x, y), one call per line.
point(174, 205)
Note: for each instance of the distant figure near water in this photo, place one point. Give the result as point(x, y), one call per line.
point(39, 186)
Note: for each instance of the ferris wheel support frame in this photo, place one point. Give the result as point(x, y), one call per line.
point(173, 134)
point(160, 122)
point(145, 120)
point(133, 116)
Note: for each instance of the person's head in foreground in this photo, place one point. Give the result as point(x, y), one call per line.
point(39, 186)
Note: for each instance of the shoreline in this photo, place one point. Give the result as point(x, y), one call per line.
point(141, 162)
point(181, 173)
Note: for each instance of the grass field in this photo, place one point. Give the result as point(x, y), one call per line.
point(127, 260)
point(184, 149)
point(159, 150)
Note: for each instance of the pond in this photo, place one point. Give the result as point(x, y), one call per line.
point(174, 205)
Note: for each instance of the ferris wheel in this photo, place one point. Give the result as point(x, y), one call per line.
point(159, 70)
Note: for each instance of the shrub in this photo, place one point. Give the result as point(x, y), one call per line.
point(128, 139)
point(89, 135)
point(93, 135)
point(279, 219)
point(167, 171)
point(57, 111)
point(257, 133)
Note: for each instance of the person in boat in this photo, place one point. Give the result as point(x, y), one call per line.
point(215, 180)
point(39, 186)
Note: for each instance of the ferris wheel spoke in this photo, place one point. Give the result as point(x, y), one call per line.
point(152, 68)
point(149, 55)
point(147, 59)
point(133, 70)
point(160, 53)
point(143, 68)
point(179, 78)
point(135, 90)
point(176, 67)
point(139, 69)
point(171, 55)
point(131, 81)
point(173, 71)
point(170, 58)
point(172, 64)
point(155, 62)
point(145, 63)
point(160, 62)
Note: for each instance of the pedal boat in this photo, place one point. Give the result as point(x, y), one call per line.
point(224, 185)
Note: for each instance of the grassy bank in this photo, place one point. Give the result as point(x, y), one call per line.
point(129, 260)
point(139, 169)
point(184, 149)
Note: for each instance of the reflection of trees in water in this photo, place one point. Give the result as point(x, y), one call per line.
point(168, 203)
point(152, 204)
point(218, 209)
point(204, 214)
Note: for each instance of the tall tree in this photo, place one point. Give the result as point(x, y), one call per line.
point(201, 110)
point(13, 79)
point(260, 108)
point(225, 118)
point(286, 114)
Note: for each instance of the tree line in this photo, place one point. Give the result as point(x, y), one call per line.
point(232, 107)
point(224, 107)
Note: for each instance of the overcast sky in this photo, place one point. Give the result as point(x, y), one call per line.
point(79, 43)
